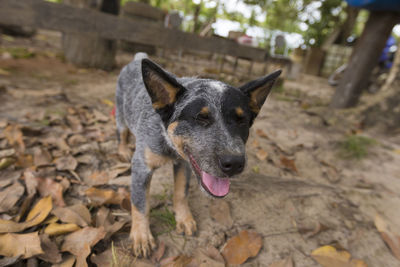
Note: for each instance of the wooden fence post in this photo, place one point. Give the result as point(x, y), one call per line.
point(91, 51)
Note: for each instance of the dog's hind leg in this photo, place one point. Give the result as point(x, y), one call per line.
point(143, 241)
point(124, 151)
point(184, 219)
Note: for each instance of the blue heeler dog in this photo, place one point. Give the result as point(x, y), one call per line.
point(200, 125)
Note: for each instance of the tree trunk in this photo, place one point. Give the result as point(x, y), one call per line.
point(196, 23)
point(91, 51)
point(364, 58)
point(348, 25)
point(385, 109)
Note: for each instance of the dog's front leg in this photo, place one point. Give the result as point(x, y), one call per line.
point(184, 219)
point(143, 241)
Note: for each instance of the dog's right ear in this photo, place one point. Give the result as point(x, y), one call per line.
point(162, 87)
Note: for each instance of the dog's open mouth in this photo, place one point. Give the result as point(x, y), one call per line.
point(215, 186)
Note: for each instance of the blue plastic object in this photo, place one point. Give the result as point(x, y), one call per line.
point(379, 5)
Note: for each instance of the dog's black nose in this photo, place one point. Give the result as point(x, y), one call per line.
point(230, 164)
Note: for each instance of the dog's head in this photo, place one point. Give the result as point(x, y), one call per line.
point(207, 121)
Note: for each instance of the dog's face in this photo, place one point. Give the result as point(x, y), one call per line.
point(207, 121)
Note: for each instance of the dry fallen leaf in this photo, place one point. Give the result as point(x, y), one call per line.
point(26, 204)
point(261, 133)
point(288, 164)
point(288, 262)
point(119, 169)
point(106, 219)
point(74, 123)
point(262, 154)
point(41, 156)
point(7, 153)
point(14, 137)
point(100, 117)
point(31, 182)
point(66, 163)
point(329, 256)
point(221, 212)
point(40, 210)
point(157, 255)
point(56, 142)
point(76, 139)
point(103, 259)
point(177, 261)
point(97, 178)
point(48, 186)
point(241, 247)
point(25, 245)
point(104, 196)
point(391, 239)
point(6, 162)
point(6, 261)
point(24, 161)
point(51, 253)
point(8, 177)
point(67, 261)
point(76, 214)
point(10, 195)
point(61, 229)
point(80, 242)
point(255, 144)
point(202, 258)
point(37, 215)
point(311, 228)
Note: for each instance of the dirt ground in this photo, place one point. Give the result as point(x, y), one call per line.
point(300, 190)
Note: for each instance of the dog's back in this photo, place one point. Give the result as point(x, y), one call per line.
point(134, 108)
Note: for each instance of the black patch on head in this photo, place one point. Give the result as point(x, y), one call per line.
point(236, 125)
point(191, 113)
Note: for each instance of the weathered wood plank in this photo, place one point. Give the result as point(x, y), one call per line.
point(59, 17)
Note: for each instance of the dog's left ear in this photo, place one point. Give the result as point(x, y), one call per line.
point(259, 89)
point(163, 88)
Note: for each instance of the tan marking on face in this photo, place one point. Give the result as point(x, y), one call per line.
point(154, 160)
point(184, 219)
point(239, 111)
point(177, 140)
point(204, 111)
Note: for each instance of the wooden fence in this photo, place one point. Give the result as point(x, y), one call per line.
point(60, 17)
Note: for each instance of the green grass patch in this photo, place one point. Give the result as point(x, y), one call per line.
point(356, 146)
point(165, 218)
point(18, 52)
point(278, 88)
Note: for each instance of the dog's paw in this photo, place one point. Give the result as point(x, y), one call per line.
point(186, 225)
point(124, 153)
point(142, 242)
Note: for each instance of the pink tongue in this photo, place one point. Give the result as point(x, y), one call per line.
point(217, 186)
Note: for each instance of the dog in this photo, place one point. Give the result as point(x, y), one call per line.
point(200, 125)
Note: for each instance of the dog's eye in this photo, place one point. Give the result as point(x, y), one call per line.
point(203, 119)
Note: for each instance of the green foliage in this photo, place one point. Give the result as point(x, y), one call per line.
point(356, 146)
point(319, 18)
point(18, 52)
point(361, 20)
point(187, 9)
point(164, 217)
point(314, 20)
